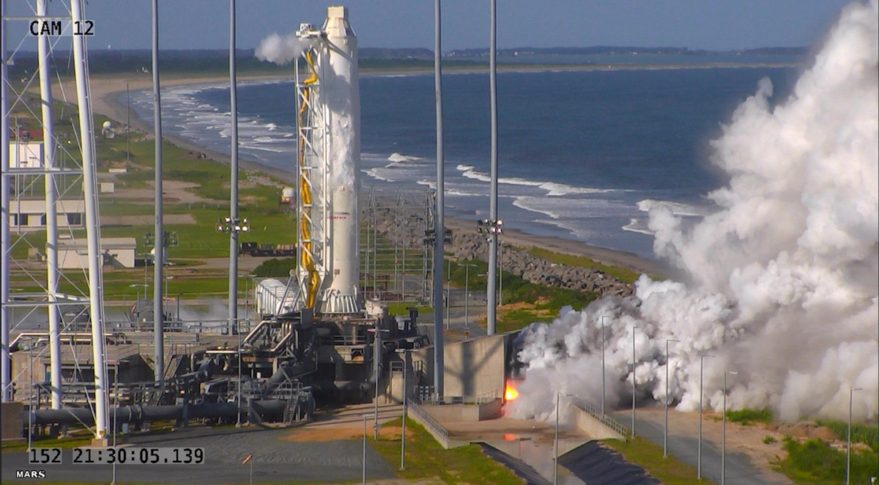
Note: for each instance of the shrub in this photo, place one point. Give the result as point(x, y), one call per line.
point(748, 416)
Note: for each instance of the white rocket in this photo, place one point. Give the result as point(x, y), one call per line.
point(335, 157)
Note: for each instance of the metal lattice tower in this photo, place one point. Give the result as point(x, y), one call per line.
point(63, 175)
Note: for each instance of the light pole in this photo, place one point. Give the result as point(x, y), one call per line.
point(634, 364)
point(233, 226)
point(701, 394)
point(115, 412)
point(467, 295)
point(365, 417)
point(723, 432)
point(377, 371)
point(555, 470)
point(603, 373)
point(848, 447)
point(449, 295)
point(405, 404)
point(665, 428)
point(238, 414)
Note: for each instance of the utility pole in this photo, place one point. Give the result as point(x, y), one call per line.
point(665, 427)
point(723, 432)
point(603, 372)
point(634, 366)
point(701, 395)
point(555, 447)
point(848, 447)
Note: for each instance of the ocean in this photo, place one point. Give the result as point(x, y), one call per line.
point(582, 155)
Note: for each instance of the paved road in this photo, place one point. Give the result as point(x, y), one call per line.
point(275, 460)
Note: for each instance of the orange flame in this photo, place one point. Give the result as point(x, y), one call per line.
point(510, 392)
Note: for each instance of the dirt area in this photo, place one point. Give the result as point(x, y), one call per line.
point(503, 310)
point(173, 191)
point(341, 432)
point(346, 423)
point(804, 431)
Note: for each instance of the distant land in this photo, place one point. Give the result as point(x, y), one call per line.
point(216, 60)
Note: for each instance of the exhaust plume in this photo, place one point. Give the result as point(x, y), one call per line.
point(280, 50)
point(779, 282)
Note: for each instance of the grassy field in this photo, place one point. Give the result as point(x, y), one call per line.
point(644, 453)
point(747, 416)
point(815, 461)
point(523, 302)
point(623, 274)
point(426, 459)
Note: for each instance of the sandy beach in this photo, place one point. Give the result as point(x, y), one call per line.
point(108, 94)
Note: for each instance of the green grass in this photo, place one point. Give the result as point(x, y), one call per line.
point(70, 442)
point(623, 274)
point(815, 461)
point(275, 267)
point(644, 453)
point(426, 459)
point(861, 433)
point(747, 416)
point(402, 308)
point(546, 301)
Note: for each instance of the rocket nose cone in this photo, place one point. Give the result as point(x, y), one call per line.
point(337, 24)
point(337, 12)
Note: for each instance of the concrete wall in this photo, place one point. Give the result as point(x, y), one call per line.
point(11, 420)
point(465, 412)
point(474, 368)
point(440, 434)
point(593, 428)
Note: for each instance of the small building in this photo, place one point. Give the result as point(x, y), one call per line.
point(30, 214)
point(26, 154)
point(118, 252)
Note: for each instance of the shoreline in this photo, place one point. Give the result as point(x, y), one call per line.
point(108, 93)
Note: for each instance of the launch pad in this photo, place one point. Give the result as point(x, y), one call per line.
point(324, 342)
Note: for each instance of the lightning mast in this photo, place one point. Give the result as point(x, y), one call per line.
point(51, 212)
point(93, 228)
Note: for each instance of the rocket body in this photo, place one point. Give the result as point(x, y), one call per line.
point(339, 96)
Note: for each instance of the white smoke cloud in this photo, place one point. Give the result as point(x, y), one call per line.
point(780, 283)
point(280, 50)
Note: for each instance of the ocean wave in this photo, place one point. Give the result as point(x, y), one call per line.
point(248, 146)
point(553, 189)
point(676, 208)
point(400, 158)
point(524, 204)
point(373, 172)
point(637, 225)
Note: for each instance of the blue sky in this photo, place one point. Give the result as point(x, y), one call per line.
point(706, 24)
